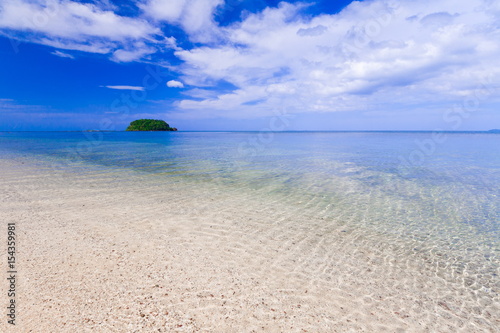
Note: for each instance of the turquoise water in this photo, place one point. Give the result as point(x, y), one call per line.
point(441, 195)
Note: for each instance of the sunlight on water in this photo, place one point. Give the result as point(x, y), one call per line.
point(442, 211)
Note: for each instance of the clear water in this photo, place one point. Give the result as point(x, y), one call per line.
point(438, 198)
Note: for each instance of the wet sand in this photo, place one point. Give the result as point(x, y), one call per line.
point(119, 252)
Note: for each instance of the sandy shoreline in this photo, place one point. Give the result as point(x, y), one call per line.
point(98, 253)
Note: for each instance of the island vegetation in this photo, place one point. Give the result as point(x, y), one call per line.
point(149, 125)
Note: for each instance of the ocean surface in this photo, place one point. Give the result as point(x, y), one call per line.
point(437, 194)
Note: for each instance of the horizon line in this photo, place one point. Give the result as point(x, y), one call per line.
point(287, 131)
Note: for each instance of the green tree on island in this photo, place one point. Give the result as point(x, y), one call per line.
point(149, 125)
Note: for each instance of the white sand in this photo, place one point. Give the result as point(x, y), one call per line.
point(101, 255)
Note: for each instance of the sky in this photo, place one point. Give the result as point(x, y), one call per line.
point(250, 65)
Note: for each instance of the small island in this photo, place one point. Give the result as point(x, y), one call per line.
point(149, 125)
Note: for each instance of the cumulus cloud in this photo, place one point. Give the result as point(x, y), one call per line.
point(369, 56)
point(139, 50)
point(69, 19)
point(437, 20)
point(78, 26)
point(125, 88)
point(194, 16)
point(373, 55)
point(315, 31)
point(175, 84)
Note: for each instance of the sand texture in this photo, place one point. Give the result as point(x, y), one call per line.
point(114, 252)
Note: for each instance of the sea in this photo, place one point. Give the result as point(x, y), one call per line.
point(437, 193)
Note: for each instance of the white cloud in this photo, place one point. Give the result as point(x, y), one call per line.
point(138, 51)
point(69, 19)
point(437, 20)
point(77, 26)
point(170, 11)
point(315, 31)
point(63, 55)
point(94, 47)
point(201, 93)
point(368, 56)
point(175, 84)
point(194, 16)
point(125, 87)
point(378, 55)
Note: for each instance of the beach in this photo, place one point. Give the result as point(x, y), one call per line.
point(249, 166)
point(118, 251)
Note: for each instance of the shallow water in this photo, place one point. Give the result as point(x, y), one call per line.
point(436, 201)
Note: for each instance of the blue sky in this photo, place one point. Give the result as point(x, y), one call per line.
point(238, 64)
